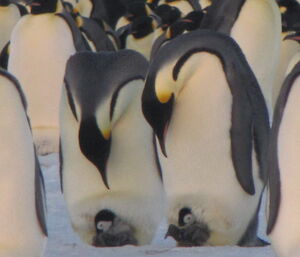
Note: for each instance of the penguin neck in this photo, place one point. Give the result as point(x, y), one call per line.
point(53, 6)
point(4, 2)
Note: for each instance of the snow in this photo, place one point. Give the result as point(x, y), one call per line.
point(63, 242)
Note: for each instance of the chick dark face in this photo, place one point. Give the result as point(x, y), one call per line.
point(189, 231)
point(112, 231)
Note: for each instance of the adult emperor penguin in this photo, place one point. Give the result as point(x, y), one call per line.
point(283, 224)
point(22, 212)
point(209, 115)
point(39, 65)
point(290, 12)
point(256, 26)
point(139, 35)
point(111, 178)
point(9, 15)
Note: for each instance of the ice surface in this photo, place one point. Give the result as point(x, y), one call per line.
point(63, 242)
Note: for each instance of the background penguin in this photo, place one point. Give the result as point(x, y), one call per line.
point(139, 35)
point(111, 182)
point(22, 212)
point(290, 15)
point(208, 136)
point(283, 224)
point(94, 34)
point(256, 26)
point(39, 65)
point(9, 15)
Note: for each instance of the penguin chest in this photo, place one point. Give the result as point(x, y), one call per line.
point(40, 47)
point(142, 45)
point(9, 16)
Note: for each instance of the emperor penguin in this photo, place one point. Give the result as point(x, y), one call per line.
point(139, 35)
point(211, 121)
point(283, 182)
point(22, 212)
point(111, 177)
point(290, 12)
point(256, 26)
point(10, 13)
point(40, 45)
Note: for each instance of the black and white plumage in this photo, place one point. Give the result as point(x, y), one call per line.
point(283, 182)
point(107, 152)
point(256, 26)
point(22, 213)
point(39, 65)
point(209, 115)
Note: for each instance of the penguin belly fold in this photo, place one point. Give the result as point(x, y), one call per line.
point(40, 47)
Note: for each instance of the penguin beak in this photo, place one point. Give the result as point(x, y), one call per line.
point(95, 145)
point(293, 36)
point(157, 110)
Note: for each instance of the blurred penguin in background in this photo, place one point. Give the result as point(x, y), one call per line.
point(10, 13)
point(41, 44)
point(111, 179)
point(283, 166)
point(290, 16)
point(22, 197)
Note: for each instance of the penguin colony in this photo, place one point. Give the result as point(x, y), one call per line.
point(158, 108)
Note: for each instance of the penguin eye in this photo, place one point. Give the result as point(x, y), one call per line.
point(103, 226)
point(188, 219)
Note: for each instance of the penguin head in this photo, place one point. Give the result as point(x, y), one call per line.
point(152, 3)
point(142, 27)
point(189, 231)
point(4, 2)
point(136, 9)
point(112, 230)
point(290, 15)
point(168, 15)
point(98, 98)
point(45, 6)
point(293, 36)
point(157, 106)
point(193, 20)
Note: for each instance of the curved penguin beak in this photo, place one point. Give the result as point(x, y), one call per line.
point(95, 145)
point(293, 36)
point(157, 110)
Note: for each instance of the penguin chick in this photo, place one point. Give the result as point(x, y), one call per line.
point(112, 231)
point(189, 231)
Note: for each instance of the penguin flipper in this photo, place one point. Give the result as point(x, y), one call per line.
point(221, 15)
point(4, 56)
point(40, 199)
point(79, 42)
point(273, 163)
point(23, 11)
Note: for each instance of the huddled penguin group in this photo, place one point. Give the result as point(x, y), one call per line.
point(159, 109)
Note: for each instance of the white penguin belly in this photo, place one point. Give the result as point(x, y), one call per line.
point(20, 233)
point(286, 233)
point(260, 41)
point(142, 45)
point(40, 47)
point(198, 172)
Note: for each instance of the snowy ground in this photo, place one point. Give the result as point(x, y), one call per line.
point(63, 242)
